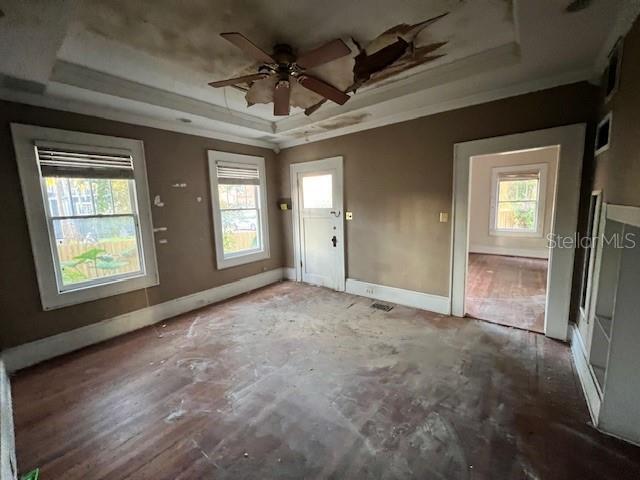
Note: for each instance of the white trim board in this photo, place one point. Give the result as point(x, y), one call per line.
point(289, 273)
point(29, 354)
point(587, 381)
point(8, 465)
point(409, 298)
point(510, 251)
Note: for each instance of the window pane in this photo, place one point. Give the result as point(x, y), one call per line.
point(518, 189)
point(237, 196)
point(81, 196)
point(121, 193)
point(317, 191)
point(240, 230)
point(85, 196)
point(103, 200)
point(95, 248)
point(517, 216)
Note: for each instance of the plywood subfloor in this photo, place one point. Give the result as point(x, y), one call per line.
point(295, 382)
point(507, 290)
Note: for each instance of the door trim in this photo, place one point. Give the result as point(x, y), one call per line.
point(294, 170)
point(571, 139)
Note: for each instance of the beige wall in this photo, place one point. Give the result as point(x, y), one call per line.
point(186, 263)
point(397, 180)
point(481, 174)
point(617, 171)
point(399, 177)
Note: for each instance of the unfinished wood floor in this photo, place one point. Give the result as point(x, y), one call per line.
point(295, 382)
point(507, 290)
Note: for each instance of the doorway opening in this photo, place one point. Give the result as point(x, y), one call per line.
point(511, 202)
point(318, 222)
point(519, 211)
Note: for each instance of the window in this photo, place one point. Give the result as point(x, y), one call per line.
point(317, 191)
point(239, 200)
point(86, 200)
point(517, 203)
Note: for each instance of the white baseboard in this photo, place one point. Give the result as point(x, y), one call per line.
point(8, 466)
point(409, 298)
point(587, 380)
point(34, 352)
point(510, 251)
point(289, 273)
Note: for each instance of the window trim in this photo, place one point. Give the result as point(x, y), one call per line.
point(541, 169)
point(52, 295)
point(233, 260)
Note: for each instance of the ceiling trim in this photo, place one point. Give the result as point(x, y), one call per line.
point(451, 104)
point(93, 80)
point(84, 108)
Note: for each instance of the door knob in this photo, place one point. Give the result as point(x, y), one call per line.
point(334, 240)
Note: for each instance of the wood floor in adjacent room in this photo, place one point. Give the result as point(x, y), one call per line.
point(507, 290)
point(294, 381)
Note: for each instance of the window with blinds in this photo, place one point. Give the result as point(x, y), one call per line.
point(238, 191)
point(91, 215)
point(518, 200)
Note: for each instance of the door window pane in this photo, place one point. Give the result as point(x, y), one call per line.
point(96, 248)
point(317, 191)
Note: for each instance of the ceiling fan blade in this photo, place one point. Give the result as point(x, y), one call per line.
point(248, 47)
point(234, 81)
point(324, 89)
point(281, 98)
point(324, 54)
point(314, 108)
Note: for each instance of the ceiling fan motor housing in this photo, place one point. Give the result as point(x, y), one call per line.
point(283, 54)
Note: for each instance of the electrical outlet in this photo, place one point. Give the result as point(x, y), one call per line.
point(348, 215)
point(369, 290)
point(444, 217)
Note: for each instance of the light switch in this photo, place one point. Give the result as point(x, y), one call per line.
point(348, 215)
point(444, 217)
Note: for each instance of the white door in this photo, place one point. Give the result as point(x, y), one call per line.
point(320, 223)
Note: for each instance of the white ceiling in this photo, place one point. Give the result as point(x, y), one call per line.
point(154, 58)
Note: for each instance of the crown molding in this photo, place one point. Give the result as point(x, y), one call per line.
point(88, 79)
point(85, 108)
point(399, 110)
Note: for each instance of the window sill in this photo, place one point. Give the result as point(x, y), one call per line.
point(511, 233)
point(55, 300)
point(242, 259)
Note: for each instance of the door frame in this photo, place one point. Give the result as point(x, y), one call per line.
point(571, 140)
point(323, 164)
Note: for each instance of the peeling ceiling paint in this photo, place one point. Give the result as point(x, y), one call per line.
point(186, 34)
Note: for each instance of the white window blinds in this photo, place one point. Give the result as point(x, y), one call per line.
point(237, 174)
point(65, 163)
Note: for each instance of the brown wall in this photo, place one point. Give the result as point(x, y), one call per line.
point(617, 170)
point(186, 263)
point(399, 177)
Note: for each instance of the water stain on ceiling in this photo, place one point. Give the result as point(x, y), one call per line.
point(187, 33)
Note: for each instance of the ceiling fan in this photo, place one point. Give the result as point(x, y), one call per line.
point(288, 67)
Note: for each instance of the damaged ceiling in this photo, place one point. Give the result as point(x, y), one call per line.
point(154, 59)
point(177, 44)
